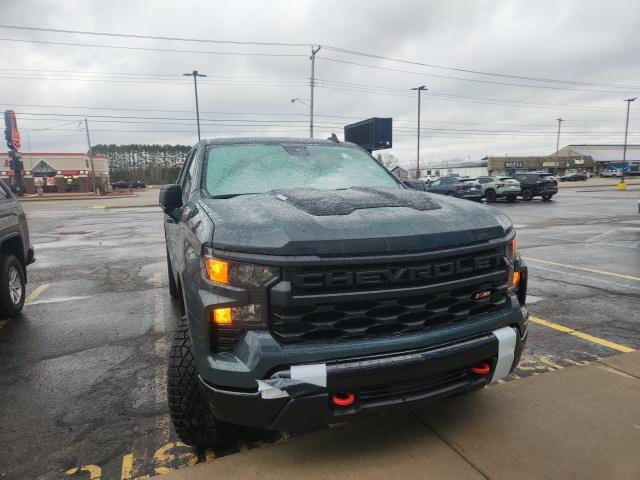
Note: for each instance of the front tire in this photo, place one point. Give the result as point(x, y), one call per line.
point(547, 198)
point(527, 194)
point(191, 416)
point(511, 198)
point(490, 196)
point(12, 286)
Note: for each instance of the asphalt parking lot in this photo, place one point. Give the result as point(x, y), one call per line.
point(82, 372)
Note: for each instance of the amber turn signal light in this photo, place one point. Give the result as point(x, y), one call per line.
point(222, 316)
point(515, 280)
point(217, 270)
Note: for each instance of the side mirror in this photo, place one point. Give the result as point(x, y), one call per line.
point(170, 197)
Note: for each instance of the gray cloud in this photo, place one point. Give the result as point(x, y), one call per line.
point(576, 40)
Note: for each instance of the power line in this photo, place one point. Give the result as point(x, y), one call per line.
point(476, 72)
point(474, 80)
point(327, 47)
point(155, 37)
point(151, 49)
point(449, 97)
point(284, 114)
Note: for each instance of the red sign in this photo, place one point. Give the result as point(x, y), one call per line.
point(11, 133)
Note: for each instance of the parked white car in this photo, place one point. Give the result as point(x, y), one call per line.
point(499, 187)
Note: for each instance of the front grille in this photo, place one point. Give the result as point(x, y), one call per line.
point(413, 388)
point(377, 317)
point(349, 278)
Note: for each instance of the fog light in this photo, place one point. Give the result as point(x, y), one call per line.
point(222, 316)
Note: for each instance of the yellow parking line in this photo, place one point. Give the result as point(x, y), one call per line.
point(99, 206)
point(591, 270)
point(584, 336)
point(35, 294)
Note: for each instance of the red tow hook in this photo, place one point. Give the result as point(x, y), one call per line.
point(343, 399)
point(481, 369)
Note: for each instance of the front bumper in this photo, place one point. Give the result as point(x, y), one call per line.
point(379, 382)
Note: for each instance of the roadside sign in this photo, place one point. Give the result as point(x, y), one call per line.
point(11, 133)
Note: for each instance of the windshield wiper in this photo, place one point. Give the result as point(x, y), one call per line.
point(230, 195)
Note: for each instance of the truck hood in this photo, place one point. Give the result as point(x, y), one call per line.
point(354, 221)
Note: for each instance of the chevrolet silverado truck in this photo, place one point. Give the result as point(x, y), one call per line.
point(316, 288)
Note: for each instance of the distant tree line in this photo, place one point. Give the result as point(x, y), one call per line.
point(153, 164)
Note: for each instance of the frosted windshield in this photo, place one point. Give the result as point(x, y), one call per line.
point(255, 168)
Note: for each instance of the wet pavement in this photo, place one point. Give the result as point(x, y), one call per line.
point(82, 372)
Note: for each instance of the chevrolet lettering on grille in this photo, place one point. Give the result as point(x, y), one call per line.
point(406, 275)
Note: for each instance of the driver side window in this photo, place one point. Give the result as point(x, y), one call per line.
point(436, 183)
point(186, 176)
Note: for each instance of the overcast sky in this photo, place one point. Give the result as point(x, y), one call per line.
point(464, 115)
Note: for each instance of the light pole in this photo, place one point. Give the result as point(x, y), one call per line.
point(195, 76)
point(626, 131)
point(303, 102)
point(560, 120)
point(93, 172)
point(419, 89)
point(306, 104)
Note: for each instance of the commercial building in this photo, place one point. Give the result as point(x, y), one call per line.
point(463, 169)
point(59, 172)
point(557, 165)
point(605, 156)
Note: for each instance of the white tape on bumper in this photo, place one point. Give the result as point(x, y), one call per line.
point(315, 374)
point(506, 352)
point(268, 392)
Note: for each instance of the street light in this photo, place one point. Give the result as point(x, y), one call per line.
point(419, 89)
point(294, 100)
point(195, 75)
point(626, 131)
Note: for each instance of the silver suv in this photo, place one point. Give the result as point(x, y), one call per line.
point(499, 187)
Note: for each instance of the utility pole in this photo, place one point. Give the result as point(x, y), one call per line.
point(560, 120)
point(419, 89)
point(626, 131)
point(312, 83)
point(195, 76)
point(93, 173)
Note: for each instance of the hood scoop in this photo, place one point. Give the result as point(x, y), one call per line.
point(343, 202)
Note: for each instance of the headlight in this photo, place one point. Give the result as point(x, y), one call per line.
point(517, 280)
point(229, 322)
point(238, 274)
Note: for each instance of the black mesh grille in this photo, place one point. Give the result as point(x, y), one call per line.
point(377, 317)
point(414, 387)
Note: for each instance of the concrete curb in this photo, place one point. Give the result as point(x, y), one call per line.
point(84, 197)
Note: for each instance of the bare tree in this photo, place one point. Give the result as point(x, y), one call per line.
point(387, 160)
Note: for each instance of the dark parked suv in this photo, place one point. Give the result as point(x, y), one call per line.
point(15, 254)
point(534, 184)
point(467, 188)
point(316, 288)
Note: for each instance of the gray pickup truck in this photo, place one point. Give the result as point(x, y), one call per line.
point(317, 288)
point(15, 254)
